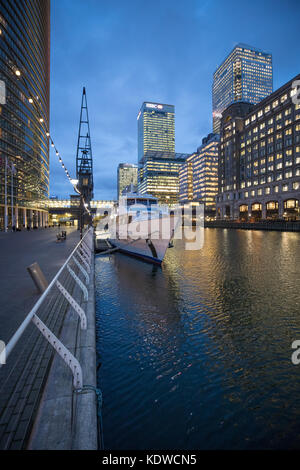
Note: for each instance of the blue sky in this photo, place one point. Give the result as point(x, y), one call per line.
point(129, 51)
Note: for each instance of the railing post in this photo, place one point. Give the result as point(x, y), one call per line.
point(62, 351)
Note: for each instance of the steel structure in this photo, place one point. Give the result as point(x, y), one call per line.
point(84, 162)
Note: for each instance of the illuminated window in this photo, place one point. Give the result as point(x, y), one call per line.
point(296, 185)
point(272, 205)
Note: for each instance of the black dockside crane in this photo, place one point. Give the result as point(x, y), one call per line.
point(84, 165)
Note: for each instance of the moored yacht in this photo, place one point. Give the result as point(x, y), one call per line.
point(142, 228)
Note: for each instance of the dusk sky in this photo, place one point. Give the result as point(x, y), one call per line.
point(129, 51)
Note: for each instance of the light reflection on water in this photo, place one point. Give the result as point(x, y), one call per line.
point(197, 354)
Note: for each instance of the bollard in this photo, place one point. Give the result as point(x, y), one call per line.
point(38, 277)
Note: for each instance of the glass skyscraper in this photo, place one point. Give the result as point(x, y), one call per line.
point(158, 163)
point(156, 128)
point(24, 113)
point(245, 75)
point(159, 175)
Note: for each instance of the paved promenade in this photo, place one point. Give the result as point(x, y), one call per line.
point(23, 378)
point(18, 250)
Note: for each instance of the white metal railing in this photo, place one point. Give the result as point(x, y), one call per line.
point(82, 256)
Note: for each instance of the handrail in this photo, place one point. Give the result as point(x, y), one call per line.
point(17, 335)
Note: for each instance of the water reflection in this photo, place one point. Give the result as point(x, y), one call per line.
point(197, 354)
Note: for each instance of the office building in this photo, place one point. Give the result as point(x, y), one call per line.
point(245, 75)
point(156, 128)
point(205, 173)
point(198, 177)
point(127, 175)
point(157, 161)
point(24, 112)
point(186, 188)
point(159, 175)
point(259, 163)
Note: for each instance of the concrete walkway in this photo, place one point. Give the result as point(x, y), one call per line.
point(23, 378)
point(18, 250)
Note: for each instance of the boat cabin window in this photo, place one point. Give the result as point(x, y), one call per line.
point(130, 202)
point(142, 201)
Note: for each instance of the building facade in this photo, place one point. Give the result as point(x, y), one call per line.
point(245, 75)
point(159, 175)
point(198, 178)
point(158, 164)
point(186, 187)
point(156, 128)
point(24, 112)
point(127, 175)
point(259, 163)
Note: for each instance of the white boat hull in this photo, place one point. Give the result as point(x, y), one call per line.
point(152, 245)
point(152, 251)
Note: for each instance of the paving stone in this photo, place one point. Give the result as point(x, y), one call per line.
point(26, 390)
point(16, 445)
point(20, 405)
point(34, 394)
point(27, 413)
point(6, 415)
point(13, 423)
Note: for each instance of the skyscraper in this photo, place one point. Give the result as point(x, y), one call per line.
point(245, 75)
point(157, 161)
point(198, 177)
point(159, 175)
point(156, 128)
point(127, 175)
point(24, 114)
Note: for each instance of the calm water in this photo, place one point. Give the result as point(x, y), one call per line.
point(196, 355)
